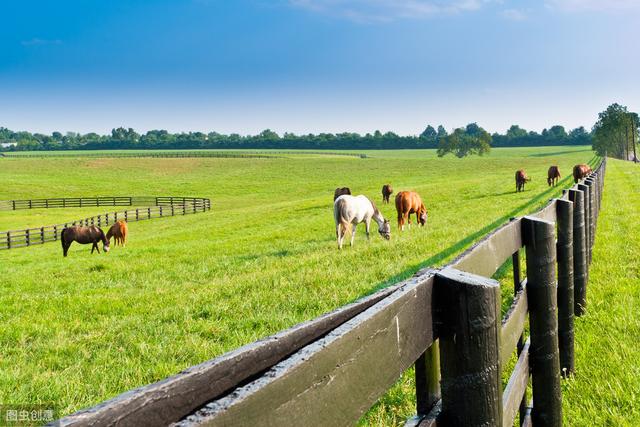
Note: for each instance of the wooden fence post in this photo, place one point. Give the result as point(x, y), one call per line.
point(539, 239)
point(579, 253)
point(587, 225)
point(27, 237)
point(564, 249)
point(469, 307)
point(427, 370)
point(592, 216)
point(8, 240)
point(517, 287)
point(42, 235)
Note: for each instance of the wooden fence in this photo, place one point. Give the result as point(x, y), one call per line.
point(447, 322)
point(273, 154)
point(154, 207)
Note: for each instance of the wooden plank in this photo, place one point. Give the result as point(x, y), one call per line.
point(516, 387)
point(513, 324)
point(486, 256)
point(547, 213)
point(429, 420)
point(527, 422)
point(177, 396)
point(335, 380)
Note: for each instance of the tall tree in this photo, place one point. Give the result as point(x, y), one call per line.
point(613, 133)
point(465, 141)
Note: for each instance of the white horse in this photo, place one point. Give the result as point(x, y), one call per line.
point(349, 211)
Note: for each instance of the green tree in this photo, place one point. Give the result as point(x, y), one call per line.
point(465, 141)
point(615, 132)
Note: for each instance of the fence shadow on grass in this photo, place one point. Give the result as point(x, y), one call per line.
point(464, 243)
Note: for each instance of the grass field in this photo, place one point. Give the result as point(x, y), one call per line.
point(79, 330)
point(606, 388)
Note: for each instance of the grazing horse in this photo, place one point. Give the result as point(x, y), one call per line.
point(83, 235)
point(349, 211)
point(553, 176)
point(580, 172)
point(387, 190)
point(408, 202)
point(521, 178)
point(341, 191)
point(119, 232)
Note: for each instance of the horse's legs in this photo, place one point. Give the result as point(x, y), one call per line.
point(353, 233)
point(65, 248)
point(367, 226)
point(400, 221)
point(95, 246)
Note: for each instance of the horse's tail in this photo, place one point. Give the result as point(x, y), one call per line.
point(341, 221)
point(62, 233)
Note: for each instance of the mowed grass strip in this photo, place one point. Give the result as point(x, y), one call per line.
point(76, 331)
point(606, 388)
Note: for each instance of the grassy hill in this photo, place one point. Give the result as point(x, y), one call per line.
point(79, 330)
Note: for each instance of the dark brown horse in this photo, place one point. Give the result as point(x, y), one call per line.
point(580, 171)
point(341, 191)
point(553, 176)
point(84, 236)
point(387, 190)
point(521, 179)
point(408, 202)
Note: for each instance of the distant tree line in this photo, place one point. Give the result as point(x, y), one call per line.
point(123, 138)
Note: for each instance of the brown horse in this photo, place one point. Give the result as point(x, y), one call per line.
point(553, 176)
point(387, 190)
point(408, 202)
point(341, 191)
point(119, 232)
point(521, 178)
point(83, 235)
point(580, 171)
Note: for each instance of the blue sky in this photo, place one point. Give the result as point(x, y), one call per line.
point(314, 65)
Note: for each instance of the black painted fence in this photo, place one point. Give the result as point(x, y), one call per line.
point(447, 322)
point(145, 208)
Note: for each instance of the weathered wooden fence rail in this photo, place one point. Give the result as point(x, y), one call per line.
point(447, 322)
point(145, 208)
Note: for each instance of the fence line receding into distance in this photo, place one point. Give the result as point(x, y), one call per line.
point(446, 322)
point(146, 208)
point(273, 154)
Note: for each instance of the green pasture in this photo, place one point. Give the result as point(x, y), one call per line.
point(76, 331)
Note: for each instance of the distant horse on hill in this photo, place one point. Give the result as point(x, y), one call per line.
point(580, 171)
point(340, 191)
point(521, 179)
point(84, 236)
point(119, 231)
point(408, 202)
point(349, 211)
point(387, 191)
point(553, 176)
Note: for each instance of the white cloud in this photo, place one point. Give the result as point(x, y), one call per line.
point(594, 5)
point(514, 14)
point(388, 10)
